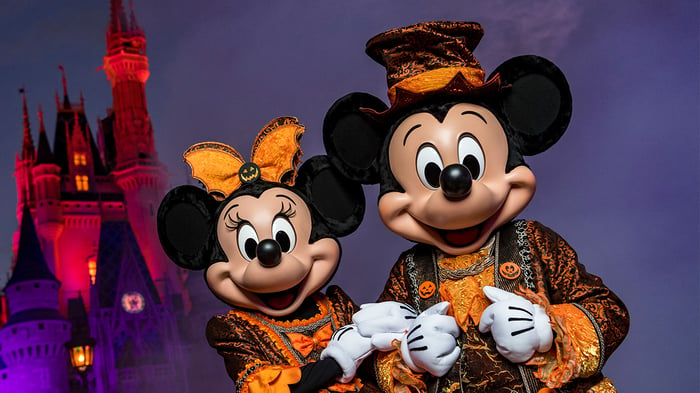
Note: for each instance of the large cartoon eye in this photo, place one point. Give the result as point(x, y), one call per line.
point(471, 156)
point(429, 166)
point(283, 233)
point(247, 241)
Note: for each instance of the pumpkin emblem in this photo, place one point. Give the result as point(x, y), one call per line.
point(426, 289)
point(509, 270)
point(249, 172)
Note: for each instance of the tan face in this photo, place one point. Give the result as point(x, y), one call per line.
point(444, 205)
point(271, 265)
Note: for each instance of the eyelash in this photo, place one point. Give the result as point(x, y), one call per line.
point(233, 224)
point(287, 213)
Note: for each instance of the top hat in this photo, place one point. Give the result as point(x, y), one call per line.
point(429, 59)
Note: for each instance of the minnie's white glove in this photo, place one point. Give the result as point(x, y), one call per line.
point(518, 326)
point(348, 348)
point(384, 317)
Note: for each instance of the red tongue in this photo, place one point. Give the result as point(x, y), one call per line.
point(462, 237)
point(281, 301)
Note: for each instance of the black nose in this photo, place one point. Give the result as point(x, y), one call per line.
point(269, 253)
point(456, 181)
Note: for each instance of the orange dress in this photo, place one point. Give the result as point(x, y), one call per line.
point(265, 354)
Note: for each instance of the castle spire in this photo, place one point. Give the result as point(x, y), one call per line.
point(117, 18)
point(43, 152)
point(28, 152)
point(134, 24)
point(66, 101)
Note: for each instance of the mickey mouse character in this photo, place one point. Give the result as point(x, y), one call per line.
point(448, 157)
point(266, 236)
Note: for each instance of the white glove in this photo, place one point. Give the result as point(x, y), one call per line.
point(519, 327)
point(430, 344)
point(382, 318)
point(348, 348)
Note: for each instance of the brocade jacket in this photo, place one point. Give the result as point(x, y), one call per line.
point(524, 257)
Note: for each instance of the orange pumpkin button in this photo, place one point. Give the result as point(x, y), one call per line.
point(426, 289)
point(509, 270)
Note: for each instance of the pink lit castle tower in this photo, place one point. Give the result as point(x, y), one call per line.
point(88, 244)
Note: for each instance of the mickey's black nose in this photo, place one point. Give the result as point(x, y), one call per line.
point(269, 253)
point(456, 181)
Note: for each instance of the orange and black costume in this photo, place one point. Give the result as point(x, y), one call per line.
point(266, 354)
point(529, 259)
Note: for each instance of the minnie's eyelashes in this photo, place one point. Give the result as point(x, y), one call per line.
point(287, 212)
point(233, 224)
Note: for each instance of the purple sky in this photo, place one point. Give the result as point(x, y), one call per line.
point(621, 185)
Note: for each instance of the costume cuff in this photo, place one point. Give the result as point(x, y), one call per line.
point(273, 379)
point(576, 350)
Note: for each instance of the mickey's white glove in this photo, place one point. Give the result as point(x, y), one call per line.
point(429, 345)
point(384, 318)
point(348, 348)
point(519, 327)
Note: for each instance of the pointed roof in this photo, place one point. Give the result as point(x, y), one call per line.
point(43, 154)
point(30, 264)
point(65, 121)
point(117, 17)
point(66, 101)
point(119, 261)
point(28, 152)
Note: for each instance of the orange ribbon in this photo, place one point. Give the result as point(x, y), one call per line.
point(305, 344)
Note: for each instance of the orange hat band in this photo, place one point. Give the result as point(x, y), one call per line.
point(436, 79)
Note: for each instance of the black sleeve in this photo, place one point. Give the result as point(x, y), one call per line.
point(316, 376)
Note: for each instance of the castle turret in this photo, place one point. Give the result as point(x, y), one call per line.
point(47, 189)
point(34, 336)
point(137, 169)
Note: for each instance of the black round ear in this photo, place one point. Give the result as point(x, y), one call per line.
point(352, 140)
point(184, 225)
point(340, 202)
point(536, 102)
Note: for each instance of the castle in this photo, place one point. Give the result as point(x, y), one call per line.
point(87, 248)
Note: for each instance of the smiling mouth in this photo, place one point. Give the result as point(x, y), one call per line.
point(460, 237)
point(280, 300)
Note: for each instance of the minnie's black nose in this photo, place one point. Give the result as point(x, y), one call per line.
point(269, 253)
point(456, 181)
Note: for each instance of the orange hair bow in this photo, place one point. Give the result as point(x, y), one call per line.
point(275, 156)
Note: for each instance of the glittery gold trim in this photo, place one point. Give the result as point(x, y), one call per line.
point(394, 376)
point(604, 386)
point(436, 79)
point(584, 337)
point(385, 362)
point(560, 365)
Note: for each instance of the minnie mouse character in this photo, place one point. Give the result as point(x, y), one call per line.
point(448, 157)
point(266, 236)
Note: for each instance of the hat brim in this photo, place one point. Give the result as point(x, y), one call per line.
point(458, 87)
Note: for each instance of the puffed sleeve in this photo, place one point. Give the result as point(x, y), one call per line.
point(247, 362)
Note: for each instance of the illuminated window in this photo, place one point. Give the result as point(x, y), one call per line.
point(80, 159)
point(81, 183)
point(92, 268)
